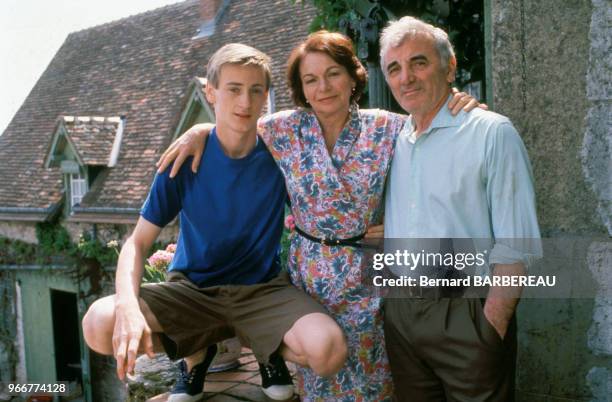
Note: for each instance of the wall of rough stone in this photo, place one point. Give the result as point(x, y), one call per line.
point(108, 232)
point(24, 231)
point(551, 74)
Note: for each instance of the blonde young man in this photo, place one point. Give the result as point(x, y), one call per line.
point(225, 279)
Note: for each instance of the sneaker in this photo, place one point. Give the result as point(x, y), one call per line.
point(189, 386)
point(276, 381)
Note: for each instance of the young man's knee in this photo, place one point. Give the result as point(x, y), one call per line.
point(326, 350)
point(337, 351)
point(98, 325)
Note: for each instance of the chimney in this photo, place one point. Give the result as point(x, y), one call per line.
point(210, 12)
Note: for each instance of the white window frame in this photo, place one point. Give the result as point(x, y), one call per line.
point(78, 188)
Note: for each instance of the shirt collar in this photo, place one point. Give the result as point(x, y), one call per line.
point(443, 119)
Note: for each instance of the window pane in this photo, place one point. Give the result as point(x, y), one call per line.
point(78, 188)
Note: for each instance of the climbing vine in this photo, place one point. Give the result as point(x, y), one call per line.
point(55, 247)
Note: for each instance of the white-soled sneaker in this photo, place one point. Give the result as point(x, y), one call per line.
point(276, 381)
point(189, 386)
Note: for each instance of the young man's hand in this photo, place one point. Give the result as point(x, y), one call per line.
point(191, 143)
point(131, 330)
point(462, 101)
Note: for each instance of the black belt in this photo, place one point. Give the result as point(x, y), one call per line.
point(352, 241)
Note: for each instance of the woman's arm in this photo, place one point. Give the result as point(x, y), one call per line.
point(191, 143)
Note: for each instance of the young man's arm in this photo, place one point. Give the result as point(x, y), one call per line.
point(131, 328)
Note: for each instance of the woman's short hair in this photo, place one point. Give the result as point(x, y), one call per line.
point(337, 46)
point(237, 53)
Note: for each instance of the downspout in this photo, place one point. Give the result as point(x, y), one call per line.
point(20, 370)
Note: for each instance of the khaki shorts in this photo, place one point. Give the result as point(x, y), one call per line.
point(194, 318)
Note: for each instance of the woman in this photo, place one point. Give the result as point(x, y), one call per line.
point(335, 158)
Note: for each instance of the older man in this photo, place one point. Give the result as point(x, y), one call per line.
point(464, 176)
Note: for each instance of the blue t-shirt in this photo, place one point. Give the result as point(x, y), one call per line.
point(231, 216)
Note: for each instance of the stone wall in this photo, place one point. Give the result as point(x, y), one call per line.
point(551, 74)
point(108, 232)
point(24, 231)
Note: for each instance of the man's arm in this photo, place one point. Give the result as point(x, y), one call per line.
point(511, 199)
point(502, 300)
point(131, 328)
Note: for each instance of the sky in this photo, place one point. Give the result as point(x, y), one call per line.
point(32, 31)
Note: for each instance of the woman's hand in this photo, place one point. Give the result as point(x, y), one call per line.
point(375, 232)
point(462, 101)
point(191, 143)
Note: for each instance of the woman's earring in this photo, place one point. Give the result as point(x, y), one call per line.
point(353, 90)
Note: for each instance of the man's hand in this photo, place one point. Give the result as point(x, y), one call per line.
point(462, 101)
point(502, 300)
point(191, 143)
point(497, 321)
point(130, 331)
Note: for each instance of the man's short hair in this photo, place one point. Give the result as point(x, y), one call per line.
point(408, 27)
point(239, 54)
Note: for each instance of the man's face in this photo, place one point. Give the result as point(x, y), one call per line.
point(239, 98)
point(415, 75)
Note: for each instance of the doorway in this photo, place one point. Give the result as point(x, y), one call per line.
point(67, 345)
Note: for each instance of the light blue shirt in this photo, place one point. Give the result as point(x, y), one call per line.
point(466, 176)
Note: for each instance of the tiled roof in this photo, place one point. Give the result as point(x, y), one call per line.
point(139, 67)
point(93, 137)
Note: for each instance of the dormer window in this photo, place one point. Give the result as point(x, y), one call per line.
point(82, 148)
point(196, 109)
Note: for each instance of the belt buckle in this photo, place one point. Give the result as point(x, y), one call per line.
point(330, 242)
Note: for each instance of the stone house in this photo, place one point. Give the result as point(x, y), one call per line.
point(80, 154)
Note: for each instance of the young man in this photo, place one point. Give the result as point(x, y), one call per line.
point(466, 176)
point(224, 280)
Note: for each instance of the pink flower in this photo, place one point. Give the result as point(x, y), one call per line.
point(171, 248)
point(160, 260)
point(290, 222)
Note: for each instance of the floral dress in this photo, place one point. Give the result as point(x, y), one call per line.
point(337, 196)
